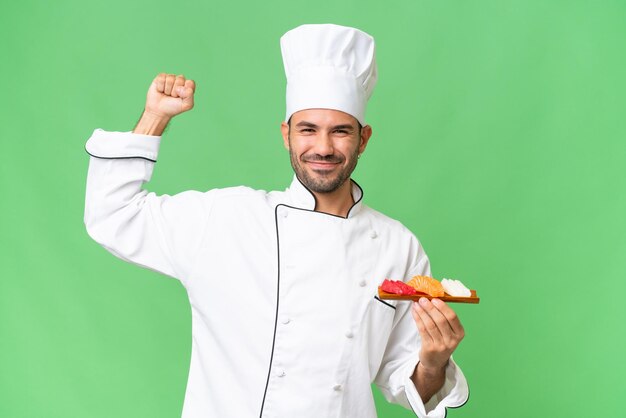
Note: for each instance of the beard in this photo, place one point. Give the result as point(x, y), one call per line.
point(324, 182)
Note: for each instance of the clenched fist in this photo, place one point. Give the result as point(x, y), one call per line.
point(169, 95)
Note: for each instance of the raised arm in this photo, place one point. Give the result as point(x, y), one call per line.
point(162, 233)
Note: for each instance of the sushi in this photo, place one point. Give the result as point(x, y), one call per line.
point(455, 288)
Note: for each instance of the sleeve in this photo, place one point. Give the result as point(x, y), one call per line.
point(401, 358)
point(162, 233)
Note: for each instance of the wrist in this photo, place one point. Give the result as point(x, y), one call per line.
point(428, 380)
point(151, 124)
point(431, 371)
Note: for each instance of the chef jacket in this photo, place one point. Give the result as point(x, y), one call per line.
point(286, 321)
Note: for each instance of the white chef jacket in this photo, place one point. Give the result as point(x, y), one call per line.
point(285, 318)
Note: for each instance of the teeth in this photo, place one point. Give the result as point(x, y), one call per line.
point(455, 288)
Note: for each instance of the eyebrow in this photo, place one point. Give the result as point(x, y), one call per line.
point(307, 124)
point(344, 126)
point(312, 125)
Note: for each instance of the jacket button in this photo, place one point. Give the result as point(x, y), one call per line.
point(373, 234)
point(285, 320)
point(362, 283)
point(281, 373)
point(337, 388)
point(349, 334)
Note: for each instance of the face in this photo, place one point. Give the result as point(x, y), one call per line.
point(324, 146)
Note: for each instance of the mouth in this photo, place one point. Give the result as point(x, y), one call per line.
point(322, 165)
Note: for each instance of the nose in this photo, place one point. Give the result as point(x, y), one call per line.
point(324, 145)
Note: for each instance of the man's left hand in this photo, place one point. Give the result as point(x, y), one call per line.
point(440, 329)
point(441, 332)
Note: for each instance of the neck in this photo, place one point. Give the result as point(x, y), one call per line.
point(337, 202)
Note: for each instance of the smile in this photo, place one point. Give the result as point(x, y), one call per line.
point(321, 165)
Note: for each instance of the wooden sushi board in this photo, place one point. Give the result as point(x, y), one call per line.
point(447, 298)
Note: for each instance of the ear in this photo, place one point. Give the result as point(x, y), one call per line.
point(366, 134)
point(284, 130)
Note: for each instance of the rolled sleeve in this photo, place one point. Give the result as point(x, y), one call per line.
point(119, 145)
point(453, 394)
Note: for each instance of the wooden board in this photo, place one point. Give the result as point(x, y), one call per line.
point(447, 298)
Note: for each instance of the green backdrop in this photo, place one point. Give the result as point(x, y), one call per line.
point(499, 139)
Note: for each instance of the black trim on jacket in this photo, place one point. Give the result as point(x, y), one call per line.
point(119, 158)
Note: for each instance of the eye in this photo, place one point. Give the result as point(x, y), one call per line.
point(307, 130)
point(341, 132)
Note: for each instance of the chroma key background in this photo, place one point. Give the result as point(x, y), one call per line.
point(499, 139)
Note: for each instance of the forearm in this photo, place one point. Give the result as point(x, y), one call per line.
point(428, 382)
point(151, 124)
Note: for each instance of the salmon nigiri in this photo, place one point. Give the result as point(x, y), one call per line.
point(427, 285)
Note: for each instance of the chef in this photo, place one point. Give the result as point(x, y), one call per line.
point(286, 321)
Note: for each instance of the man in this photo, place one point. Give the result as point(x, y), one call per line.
point(282, 285)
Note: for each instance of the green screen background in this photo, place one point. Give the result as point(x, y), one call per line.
point(499, 139)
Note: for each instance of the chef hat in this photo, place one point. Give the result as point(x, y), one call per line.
point(328, 67)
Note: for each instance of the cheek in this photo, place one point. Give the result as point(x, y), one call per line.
point(300, 146)
point(348, 150)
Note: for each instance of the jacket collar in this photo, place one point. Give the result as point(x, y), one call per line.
point(303, 198)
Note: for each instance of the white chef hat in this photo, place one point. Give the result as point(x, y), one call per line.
point(328, 67)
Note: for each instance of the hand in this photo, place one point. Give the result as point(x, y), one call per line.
point(441, 333)
point(170, 95)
